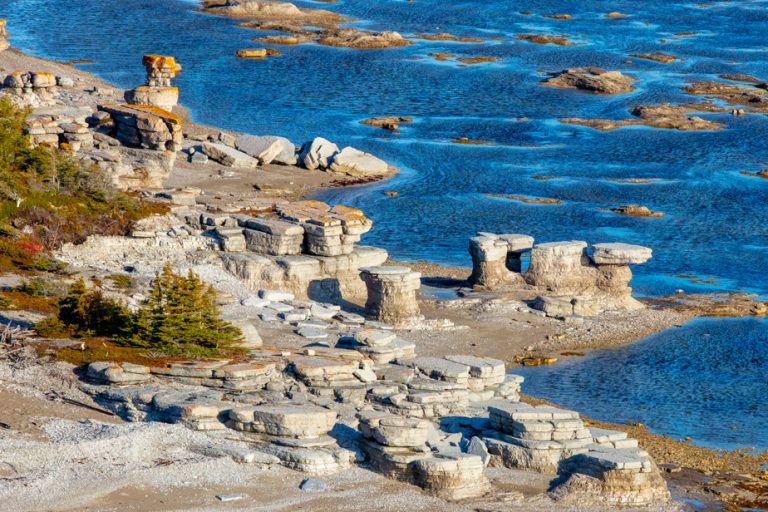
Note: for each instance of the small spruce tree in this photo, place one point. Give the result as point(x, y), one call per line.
point(180, 315)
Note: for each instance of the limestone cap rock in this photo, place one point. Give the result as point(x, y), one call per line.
point(618, 253)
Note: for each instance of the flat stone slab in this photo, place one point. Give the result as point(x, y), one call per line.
point(298, 421)
point(375, 337)
point(620, 254)
point(441, 369)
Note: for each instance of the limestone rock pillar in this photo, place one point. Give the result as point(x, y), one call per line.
point(496, 259)
point(562, 267)
point(4, 44)
point(392, 294)
point(157, 90)
point(612, 261)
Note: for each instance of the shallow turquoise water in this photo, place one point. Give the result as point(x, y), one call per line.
point(715, 227)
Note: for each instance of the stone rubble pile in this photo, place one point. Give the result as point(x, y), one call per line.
point(573, 282)
point(300, 408)
point(301, 227)
point(157, 90)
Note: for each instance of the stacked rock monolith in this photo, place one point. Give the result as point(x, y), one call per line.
point(496, 259)
point(4, 44)
point(157, 90)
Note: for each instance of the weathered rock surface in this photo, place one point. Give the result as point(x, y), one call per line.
point(664, 116)
point(664, 58)
point(362, 39)
point(387, 122)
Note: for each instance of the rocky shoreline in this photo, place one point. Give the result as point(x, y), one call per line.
point(282, 266)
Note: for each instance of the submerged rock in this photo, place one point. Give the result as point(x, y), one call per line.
point(664, 58)
point(636, 210)
point(545, 39)
point(593, 79)
point(353, 38)
point(387, 122)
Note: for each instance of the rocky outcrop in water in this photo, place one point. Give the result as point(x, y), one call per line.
point(664, 116)
point(572, 283)
point(595, 80)
point(636, 210)
point(664, 58)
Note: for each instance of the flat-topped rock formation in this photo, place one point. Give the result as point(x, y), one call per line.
point(496, 259)
point(572, 282)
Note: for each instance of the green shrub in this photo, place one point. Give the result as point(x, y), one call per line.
point(89, 313)
point(180, 316)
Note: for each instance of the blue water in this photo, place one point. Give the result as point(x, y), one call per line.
point(716, 398)
point(716, 218)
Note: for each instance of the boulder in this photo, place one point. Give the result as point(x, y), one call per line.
point(356, 163)
point(268, 149)
point(318, 153)
point(228, 156)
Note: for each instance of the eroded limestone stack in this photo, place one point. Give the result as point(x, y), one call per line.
point(496, 259)
point(35, 88)
point(398, 447)
point(60, 127)
point(329, 231)
point(4, 44)
point(157, 90)
point(580, 285)
point(298, 435)
point(144, 126)
point(537, 438)
point(392, 294)
point(614, 476)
